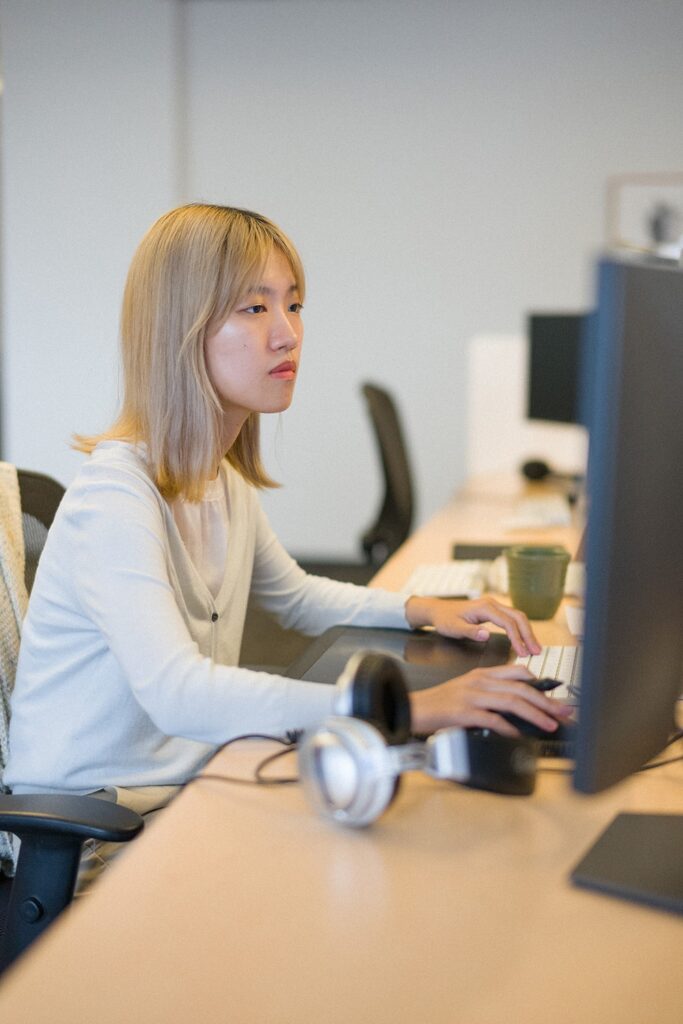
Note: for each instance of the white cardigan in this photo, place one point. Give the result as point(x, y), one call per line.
point(128, 670)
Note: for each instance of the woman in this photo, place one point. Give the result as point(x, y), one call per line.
point(127, 678)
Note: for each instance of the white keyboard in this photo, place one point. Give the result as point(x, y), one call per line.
point(563, 663)
point(471, 577)
point(534, 513)
point(461, 578)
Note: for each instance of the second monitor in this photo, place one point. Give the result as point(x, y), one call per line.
point(554, 372)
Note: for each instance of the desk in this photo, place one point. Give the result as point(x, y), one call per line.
point(474, 516)
point(240, 905)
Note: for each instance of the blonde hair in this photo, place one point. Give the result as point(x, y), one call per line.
point(186, 277)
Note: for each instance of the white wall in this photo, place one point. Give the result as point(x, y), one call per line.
point(441, 165)
point(89, 158)
point(500, 436)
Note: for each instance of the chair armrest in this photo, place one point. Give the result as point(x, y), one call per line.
point(86, 817)
point(52, 828)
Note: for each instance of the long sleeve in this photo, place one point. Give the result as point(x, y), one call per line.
point(121, 576)
point(310, 603)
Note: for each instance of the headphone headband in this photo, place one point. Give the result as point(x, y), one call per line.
point(372, 687)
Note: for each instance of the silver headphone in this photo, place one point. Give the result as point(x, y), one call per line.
point(351, 764)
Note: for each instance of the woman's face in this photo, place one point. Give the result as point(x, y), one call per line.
point(253, 358)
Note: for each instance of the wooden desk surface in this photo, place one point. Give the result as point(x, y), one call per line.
point(475, 515)
point(240, 904)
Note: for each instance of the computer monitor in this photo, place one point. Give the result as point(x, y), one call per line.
point(554, 366)
point(633, 645)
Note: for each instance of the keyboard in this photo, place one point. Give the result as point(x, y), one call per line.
point(461, 578)
point(534, 513)
point(471, 577)
point(558, 662)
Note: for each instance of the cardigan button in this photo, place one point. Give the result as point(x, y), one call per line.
point(214, 616)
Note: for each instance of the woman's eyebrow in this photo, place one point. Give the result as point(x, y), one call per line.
point(264, 289)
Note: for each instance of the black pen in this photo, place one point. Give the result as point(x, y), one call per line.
point(546, 684)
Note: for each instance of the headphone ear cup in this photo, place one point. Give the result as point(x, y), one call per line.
point(502, 764)
point(372, 688)
point(345, 770)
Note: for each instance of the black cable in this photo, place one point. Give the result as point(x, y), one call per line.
point(660, 764)
point(291, 739)
point(278, 781)
point(289, 742)
point(678, 735)
point(674, 738)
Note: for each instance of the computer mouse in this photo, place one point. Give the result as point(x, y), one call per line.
point(565, 732)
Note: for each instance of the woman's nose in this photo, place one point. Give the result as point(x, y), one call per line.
point(286, 334)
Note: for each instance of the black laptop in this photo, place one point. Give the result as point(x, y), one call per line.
point(426, 657)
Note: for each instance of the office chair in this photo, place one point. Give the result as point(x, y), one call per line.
point(51, 827)
point(392, 524)
point(265, 643)
point(395, 518)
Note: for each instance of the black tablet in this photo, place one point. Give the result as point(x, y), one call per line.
point(426, 657)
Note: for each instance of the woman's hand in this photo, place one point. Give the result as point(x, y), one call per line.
point(476, 699)
point(460, 619)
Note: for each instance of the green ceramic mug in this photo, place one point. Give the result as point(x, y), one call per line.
point(536, 575)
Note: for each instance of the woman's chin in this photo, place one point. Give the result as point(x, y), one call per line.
point(279, 405)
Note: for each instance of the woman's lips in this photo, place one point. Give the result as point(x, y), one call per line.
point(285, 371)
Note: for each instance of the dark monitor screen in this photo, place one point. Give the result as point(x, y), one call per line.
point(554, 368)
point(633, 645)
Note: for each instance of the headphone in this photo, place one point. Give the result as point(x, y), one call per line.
point(351, 765)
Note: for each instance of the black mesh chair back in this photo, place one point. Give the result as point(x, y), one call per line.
point(395, 518)
point(40, 498)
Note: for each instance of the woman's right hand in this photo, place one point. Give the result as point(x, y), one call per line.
point(478, 699)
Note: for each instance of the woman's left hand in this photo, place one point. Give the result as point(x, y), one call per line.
point(460, 619)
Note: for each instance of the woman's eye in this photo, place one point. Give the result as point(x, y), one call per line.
point(295, 307)
point(257, 308)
